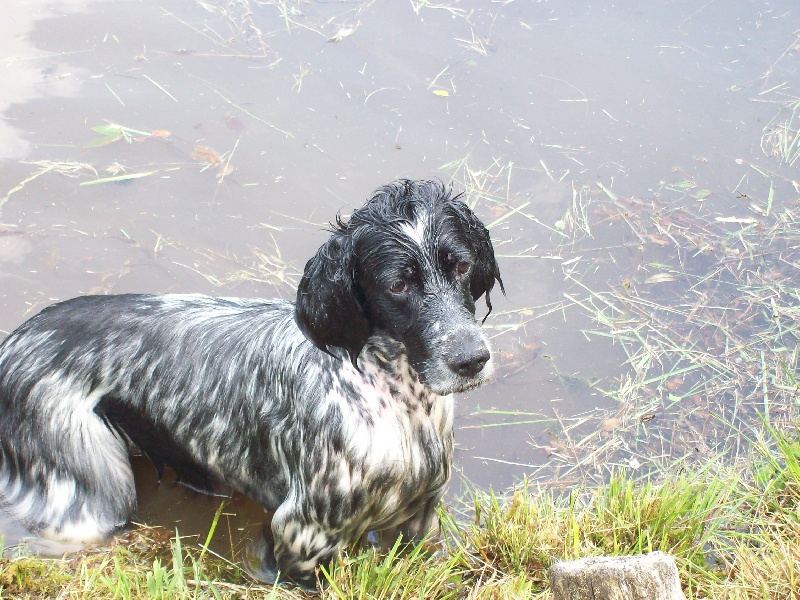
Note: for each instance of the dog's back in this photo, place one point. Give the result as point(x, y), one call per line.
point(84, 377)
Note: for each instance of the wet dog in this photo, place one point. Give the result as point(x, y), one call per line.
point(335, 412)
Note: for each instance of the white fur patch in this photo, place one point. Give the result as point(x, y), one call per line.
point(83, 531)
point(417, 230)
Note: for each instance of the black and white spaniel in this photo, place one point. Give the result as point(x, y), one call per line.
point(334, 412)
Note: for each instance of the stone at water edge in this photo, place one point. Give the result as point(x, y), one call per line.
point(651, 576)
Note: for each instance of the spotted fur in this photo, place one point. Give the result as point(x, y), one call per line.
point(335, 412)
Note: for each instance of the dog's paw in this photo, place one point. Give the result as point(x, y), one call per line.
point(259, 563)
point(259, 558)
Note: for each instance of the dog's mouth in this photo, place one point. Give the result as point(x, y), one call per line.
point(463, 362)
point(443, 381)
point(456, 388)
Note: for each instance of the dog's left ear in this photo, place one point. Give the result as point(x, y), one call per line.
point(485, 270)
point(328, 311)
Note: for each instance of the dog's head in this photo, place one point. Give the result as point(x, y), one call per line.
point(410, 264)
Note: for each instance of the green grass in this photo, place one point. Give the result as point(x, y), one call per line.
point(734, 533)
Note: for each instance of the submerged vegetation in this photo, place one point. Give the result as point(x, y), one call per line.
point(699, 297)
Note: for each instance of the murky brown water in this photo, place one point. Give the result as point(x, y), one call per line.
point(263, 124)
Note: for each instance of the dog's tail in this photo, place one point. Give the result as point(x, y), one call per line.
point(64, 474)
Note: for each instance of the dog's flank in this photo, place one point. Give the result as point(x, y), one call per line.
point(335, 413)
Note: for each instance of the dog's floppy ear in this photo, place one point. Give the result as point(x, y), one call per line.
point(485, 270)
point(328, 311)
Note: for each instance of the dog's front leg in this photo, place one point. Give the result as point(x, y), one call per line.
point(299, 544)
point(423, 525)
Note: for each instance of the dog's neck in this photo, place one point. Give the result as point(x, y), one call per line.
point(386, 349)
point(389, 356)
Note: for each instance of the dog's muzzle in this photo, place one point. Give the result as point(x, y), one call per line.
point(469, 356)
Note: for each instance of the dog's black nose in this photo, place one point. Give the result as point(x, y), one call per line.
point(470, 360)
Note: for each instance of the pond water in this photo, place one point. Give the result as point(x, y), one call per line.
point(203, 146)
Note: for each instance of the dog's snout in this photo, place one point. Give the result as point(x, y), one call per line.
point(470, 359)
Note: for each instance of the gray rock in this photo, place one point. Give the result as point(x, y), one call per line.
point(651, 576)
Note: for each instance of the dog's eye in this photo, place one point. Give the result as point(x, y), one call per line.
point(463, 267)
point(398, 287)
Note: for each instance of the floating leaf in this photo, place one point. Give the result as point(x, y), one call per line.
point(684, 184)
point(204, 154)
point(702, 194)
point(112, 132)
point(103, 140)
point(107, 129)
point(441, 92)
point(344, 32)
point(674, 383)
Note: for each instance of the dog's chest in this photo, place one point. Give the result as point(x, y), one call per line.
point(398, 436)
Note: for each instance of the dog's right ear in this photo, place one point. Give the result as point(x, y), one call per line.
point(328, 310)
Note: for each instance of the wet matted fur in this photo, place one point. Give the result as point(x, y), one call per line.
point(335, 412)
